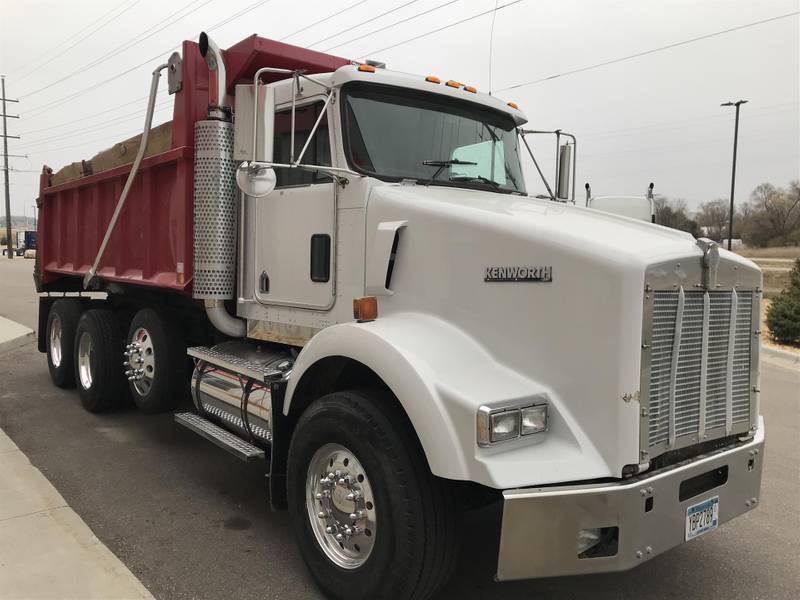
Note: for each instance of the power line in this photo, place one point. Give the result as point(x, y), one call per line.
point(375, 18)
point(167, 21)
point(79, 93)
point(60, 54)
point(242, 12)
point(322, 20)
point(395, 24)
point(125, 135)
point(25, 67)
point(762, 111)
point(97, 126)
point(78, 120)
point(437, 30)
point(491, 45)
point(70, 97)
point(652, 51)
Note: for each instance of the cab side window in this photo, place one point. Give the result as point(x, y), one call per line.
point(317, 153)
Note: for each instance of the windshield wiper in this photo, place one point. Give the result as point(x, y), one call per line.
point(480, 178)
point(442, 164)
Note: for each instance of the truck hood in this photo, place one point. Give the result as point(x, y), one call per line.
point(573, 226)
point(575, 335)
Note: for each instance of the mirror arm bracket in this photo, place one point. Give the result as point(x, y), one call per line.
point(522, 133)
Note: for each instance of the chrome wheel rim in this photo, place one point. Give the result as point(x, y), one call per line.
point(56, 335)
point(140, 361)
point(340, 506)
point(85, 350)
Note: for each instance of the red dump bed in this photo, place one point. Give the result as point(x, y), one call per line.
point(152, 242)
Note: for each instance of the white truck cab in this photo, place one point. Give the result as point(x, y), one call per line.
point(484, 295)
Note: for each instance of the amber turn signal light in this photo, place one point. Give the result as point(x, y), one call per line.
point(366, 68)
point(452, 83)
point(365, 309)
point(433, 79)
point(471, 89)
point(513, 105)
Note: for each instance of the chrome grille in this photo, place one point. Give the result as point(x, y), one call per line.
point(699, 378)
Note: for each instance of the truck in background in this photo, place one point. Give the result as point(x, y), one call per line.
point(641, 208)
point(377, 309)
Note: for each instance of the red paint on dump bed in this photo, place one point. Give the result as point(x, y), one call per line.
point(152, 242)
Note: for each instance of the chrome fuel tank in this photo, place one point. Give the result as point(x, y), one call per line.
point(231, 395)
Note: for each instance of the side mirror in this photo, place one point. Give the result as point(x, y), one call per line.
point(255, 179)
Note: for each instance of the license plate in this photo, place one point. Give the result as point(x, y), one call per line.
point(702, 518)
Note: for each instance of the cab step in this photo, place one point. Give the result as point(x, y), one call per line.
point(226, 440)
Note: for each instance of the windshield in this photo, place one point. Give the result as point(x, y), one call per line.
point(396, 134)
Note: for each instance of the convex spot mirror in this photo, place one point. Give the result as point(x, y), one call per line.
point(255, 179)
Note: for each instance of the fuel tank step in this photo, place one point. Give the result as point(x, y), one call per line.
point(224, 439)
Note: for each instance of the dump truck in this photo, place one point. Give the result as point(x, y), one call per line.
point(340, 269)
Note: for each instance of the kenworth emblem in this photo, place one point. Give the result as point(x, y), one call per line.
point(544, 274)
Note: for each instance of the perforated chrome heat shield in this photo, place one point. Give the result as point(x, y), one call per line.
point(215, 211)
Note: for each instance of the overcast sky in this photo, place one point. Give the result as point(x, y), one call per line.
point(653, 118)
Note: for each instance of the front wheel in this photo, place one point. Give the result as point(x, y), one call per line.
point(371, 520)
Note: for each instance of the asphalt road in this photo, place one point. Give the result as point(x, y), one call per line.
point(193, 522)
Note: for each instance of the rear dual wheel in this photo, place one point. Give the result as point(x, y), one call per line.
point(62, 321)
point(97, 353)
point(85, 348)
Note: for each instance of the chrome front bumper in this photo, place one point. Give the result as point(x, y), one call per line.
point(539, 533)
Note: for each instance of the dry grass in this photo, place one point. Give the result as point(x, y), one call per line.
point(775, 263)
point(790, 252)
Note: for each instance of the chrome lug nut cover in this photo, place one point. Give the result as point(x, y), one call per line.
point(340, 506)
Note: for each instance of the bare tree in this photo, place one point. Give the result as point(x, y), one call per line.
point(674, 213)
point(774, 214)
point(713, 215)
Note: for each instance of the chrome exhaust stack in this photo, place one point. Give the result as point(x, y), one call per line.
point(219, 106)
point(216, 200)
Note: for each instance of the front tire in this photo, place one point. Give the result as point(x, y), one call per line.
point(62, 320)
point(98, 361)
point(402, 542)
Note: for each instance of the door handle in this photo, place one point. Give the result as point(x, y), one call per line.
point(263, 283)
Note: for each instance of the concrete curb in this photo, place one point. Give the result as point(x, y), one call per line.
point(12, 334)
point(46, 549)
point(785, 358)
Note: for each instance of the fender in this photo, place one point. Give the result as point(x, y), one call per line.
point(440, 375)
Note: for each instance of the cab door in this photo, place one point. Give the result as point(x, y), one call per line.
point(295, 238)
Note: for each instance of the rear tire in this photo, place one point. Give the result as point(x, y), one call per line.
point(62, 320)
point(98, 361)
point(406, 545)
point(160, 356)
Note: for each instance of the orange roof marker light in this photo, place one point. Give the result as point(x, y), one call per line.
point(433, 79)
point(366, 68)
point(453, 84)
point(471, 89)
point(514, 105)
point(365, 309)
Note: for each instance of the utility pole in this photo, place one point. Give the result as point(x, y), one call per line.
point(737, 104)
point(5, 164)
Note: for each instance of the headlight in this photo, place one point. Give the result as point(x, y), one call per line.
point(534, 419)
point(505, 426)
point(505, 423)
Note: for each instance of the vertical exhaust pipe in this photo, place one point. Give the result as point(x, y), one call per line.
point(215, 200)
point(219, 106)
